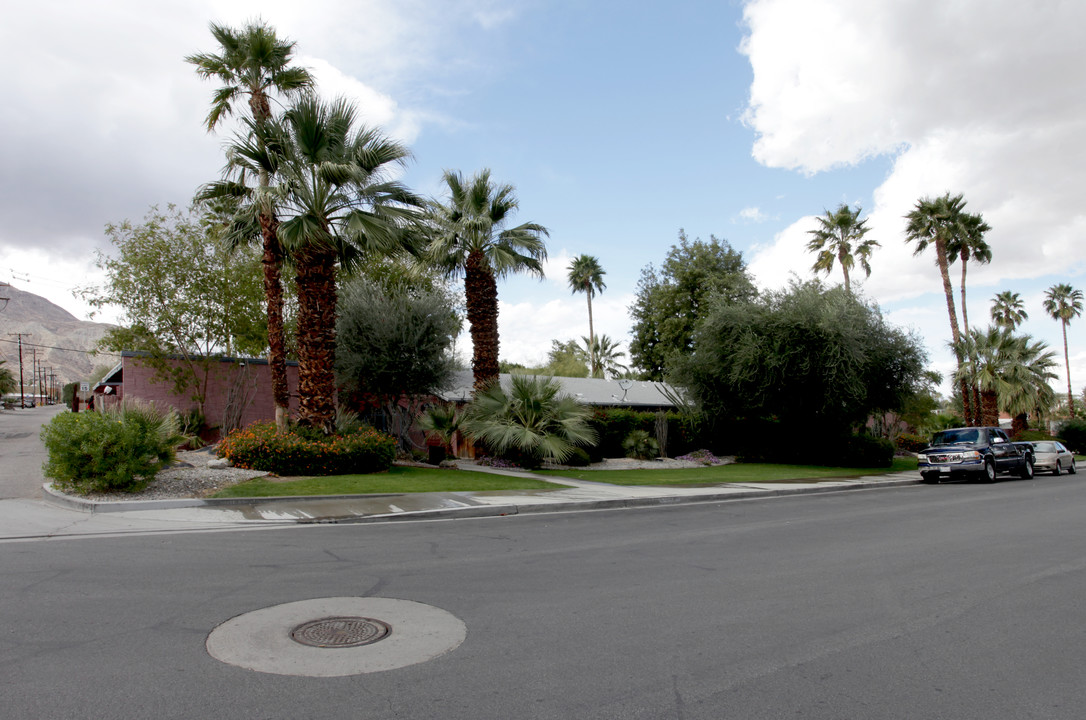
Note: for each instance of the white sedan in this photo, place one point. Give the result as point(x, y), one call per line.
point(1052, 456)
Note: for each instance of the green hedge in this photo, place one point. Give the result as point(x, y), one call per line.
point(1072, 433)
point(912, 443)
point(259, 447)
point(118, 450)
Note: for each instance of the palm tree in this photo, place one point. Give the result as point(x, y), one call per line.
point(607, 355)
point(531, 423)
point(840, 238)
point(1008, 310)
point(968, 242)
point(1010, 372)
point(338, 206)
point(936, 222)
point(469, 237)
point(254, 62)
point(586, 275)
point(1064, 303)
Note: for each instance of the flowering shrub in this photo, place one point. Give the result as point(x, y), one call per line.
point(701, 456)
point(260, 447)
point(117, 450)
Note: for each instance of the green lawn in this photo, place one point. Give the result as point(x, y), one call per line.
point(737, 472)
point(397, 480)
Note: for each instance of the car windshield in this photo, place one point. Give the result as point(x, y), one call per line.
point(951, 437)
point(1044, 447)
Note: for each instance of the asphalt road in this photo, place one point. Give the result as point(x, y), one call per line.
point(21, 452)
point(951, 601)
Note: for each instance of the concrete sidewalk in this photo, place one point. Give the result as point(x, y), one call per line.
point(58, 516)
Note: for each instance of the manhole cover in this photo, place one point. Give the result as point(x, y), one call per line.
point(340, 632)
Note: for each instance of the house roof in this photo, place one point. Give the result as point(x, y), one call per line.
point(589, 391)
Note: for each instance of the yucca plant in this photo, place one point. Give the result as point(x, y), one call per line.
point(531, 423)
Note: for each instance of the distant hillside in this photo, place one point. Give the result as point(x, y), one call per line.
point(47, 327)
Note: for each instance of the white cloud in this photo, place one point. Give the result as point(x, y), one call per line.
point(977, 97)
point(752, 215)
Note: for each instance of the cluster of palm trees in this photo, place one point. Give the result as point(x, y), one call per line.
point(997, 370)
point(319, 190)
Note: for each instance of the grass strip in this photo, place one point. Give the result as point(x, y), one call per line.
point(734, 473)
point(397, 480)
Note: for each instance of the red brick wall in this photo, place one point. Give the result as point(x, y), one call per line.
point(251, 382)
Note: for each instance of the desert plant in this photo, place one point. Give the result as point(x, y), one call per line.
point(639, 444)
point(531, 423)
point(117, 450)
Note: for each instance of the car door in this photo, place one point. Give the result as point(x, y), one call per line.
point(1006, 454)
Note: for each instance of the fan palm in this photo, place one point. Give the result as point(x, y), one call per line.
point(1010, 372)
point(1064, 303)
point(531, 423)
point(607, 355)
point(840, 238)
point(968, 242)
point(469, 237)
point(338, 206)
point(1008, 310)
point(936, 222)
point(254, 62)
point(586, 275)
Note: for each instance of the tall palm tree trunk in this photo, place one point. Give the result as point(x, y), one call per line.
point(948, 290)
point(316, 269)
point(965, 313)
point(844, 269)
point(1067, 366)
point(592, 364)
point(273, 295)
point(989, 403)
point(481, 293)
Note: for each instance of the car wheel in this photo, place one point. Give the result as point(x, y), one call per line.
point(1058, 469)
point(989, 470)
point(1071, 470)
point(1026, 473)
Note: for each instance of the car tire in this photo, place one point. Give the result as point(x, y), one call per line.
point(1071, 470)
point(1058, 469)
point(1026, 473)
point(989, 471)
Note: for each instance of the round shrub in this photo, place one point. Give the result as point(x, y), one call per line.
point(640, 445)
point(911, 443)
point(119, 450)
point(260, 447)
point(1072, 433)
point(578, 458)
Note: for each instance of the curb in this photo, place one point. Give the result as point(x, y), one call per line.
point(54, 497)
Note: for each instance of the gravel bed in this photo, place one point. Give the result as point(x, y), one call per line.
point(190, 477)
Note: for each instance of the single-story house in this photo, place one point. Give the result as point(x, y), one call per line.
point(617, 393)
point(239, 390)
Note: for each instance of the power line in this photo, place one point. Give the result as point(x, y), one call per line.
point(54, 347)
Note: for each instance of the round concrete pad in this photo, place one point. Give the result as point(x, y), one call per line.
point(260, 640)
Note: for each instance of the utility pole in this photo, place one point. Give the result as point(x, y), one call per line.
point(22, 392)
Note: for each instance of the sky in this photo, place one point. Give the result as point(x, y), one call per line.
point(619, 123)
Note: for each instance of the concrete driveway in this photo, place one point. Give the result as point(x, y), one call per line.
point(21, 452)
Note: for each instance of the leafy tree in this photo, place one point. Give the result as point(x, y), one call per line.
point(1008, 310)
point(254, 62)
point(937, 223)
point(392, 341)
point(968, 242)
point(1010, 372)
point(565, 359)
point(840, 238)
point(187, 298)
point(670, 301)
point(339, 205)
point(531, 423)
point(586, 275)
point(1064, 303)
point(818, 361)
point(469, 237)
